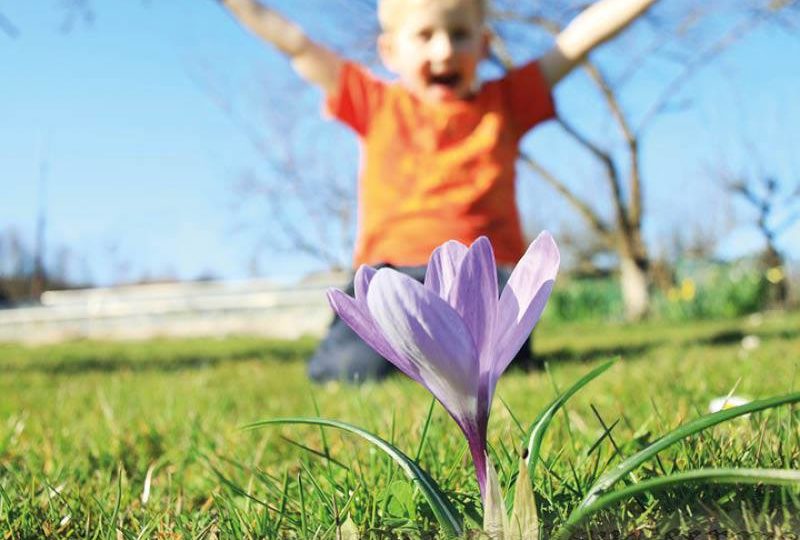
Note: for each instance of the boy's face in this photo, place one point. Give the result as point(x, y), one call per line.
point(436, 47)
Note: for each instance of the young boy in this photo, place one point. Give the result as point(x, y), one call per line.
point(438, 146)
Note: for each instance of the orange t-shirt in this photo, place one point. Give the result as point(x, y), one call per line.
point(437, 172)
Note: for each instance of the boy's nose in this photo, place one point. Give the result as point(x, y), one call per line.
point(441, 47)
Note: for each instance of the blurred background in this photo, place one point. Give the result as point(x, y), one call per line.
point(164, 172)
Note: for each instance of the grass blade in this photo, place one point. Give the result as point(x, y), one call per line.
point(717, 476)
point(445, 514)
point(539, 426)
point(695, 426)
point(425, 427)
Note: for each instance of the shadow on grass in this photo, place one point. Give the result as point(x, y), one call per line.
point(732, 336)
point(80, 358)
point(782, 333)
point(567, 354)
point(725, 337)
point(722, 338)
point(122, 360)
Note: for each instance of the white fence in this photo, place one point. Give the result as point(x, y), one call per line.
point(253, 307)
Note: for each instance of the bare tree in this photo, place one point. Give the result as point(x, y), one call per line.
point(302, 196)
point(692, 39)
point(776, 210)
point(583, 252)
point(765, 181)
point(22, 264)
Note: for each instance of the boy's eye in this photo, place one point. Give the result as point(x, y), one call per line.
point(459, 34)
point(425, 34)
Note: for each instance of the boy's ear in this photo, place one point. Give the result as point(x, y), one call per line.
point(386, 50)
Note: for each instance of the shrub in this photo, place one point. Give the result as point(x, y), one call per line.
point(703, 290)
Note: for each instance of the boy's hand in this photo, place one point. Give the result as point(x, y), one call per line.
point(312, 61)
point(598, 23)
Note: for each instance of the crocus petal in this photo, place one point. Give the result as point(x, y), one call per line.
point(443, 267)
point(474, 296)
point(361, 281)
point(523, 299)
point(475, 432)
point(425, 329)
point(356, 315)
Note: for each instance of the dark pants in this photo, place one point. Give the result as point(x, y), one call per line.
point(342, 355)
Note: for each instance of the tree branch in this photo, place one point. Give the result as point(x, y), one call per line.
point(590, 215)
point(665, 38)
point(312, 232)
point(726, 41)
point(612, 173)
point(595, 74)
point(8, 27)
point(501, 52)
point(629, 215)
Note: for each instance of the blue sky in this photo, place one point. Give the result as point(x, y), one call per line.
point(142, 162)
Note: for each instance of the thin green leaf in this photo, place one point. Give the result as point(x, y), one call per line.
point(235, 488)
point(301, 493)
point(445, 514)
point(324, 455)
point(425, 427)
point(695, 426)
point(284, 499)
point(716, 476)
point(539, 426)
point(512, 415)
point(115, 514)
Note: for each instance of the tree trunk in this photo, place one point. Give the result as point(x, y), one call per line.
point(635, 291)
point(778, 286)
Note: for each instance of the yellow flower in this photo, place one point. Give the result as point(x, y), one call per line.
point(775, 275)
point(688, 290)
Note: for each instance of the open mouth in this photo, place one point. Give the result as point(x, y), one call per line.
point(449, 80)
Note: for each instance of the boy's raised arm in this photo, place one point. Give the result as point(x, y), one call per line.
point(596, 24)
point(312, 61)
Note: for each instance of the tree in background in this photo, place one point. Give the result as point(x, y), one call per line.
point(301, 195)
point(25, 274)
point(691, 36)
point(776, 210)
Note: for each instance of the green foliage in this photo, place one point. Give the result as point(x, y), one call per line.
point(713, 291)
point(575, 300)
point(701, 291)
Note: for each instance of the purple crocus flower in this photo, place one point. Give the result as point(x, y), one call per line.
point(452, 334)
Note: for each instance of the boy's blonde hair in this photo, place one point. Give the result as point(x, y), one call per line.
point(390, 12)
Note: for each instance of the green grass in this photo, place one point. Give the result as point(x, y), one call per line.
point(82, 423)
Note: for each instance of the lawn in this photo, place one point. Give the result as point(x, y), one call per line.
point(145, 438)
